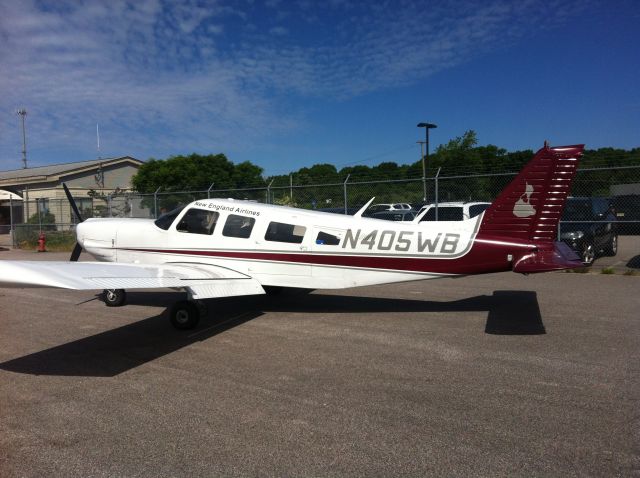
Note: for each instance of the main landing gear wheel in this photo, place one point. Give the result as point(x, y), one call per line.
point(612, 248)
point(185, 315)
point(114, 297)
point(588, 254)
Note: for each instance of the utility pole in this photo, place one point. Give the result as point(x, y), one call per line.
point(22, 112)
point(98, 139)
point(427, 127)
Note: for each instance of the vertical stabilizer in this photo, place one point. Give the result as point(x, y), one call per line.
point(531, 205)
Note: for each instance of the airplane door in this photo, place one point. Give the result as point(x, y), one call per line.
point(284, 248)
point(327, 240)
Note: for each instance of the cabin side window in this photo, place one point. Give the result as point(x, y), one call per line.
point(198, 221)
point(238, 226)
point(281, 232)
point(326, 239)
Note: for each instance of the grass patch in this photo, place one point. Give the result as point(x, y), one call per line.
point(579, 270)
point(607, 270)
point(631, 272)
point(57, 241)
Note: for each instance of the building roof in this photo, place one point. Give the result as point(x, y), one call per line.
point(57, 170)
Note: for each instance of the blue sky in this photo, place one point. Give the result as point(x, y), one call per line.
point(287, 84)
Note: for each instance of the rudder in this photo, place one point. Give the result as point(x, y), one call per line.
point(531, 205)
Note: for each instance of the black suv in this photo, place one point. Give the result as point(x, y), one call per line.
point(588, 226)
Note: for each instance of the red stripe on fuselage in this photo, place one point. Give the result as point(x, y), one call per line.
point(486, 255)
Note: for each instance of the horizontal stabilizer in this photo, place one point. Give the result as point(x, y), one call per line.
point(557, 258)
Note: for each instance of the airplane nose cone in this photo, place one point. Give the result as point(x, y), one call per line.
point(80, 233)
point(97, 237)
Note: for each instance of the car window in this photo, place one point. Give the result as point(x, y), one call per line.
point(238, 226)
point(577, 210)
point(600, 206)
point(445, 213)
point(378, 208)
point(198, 221)
point(281, 232)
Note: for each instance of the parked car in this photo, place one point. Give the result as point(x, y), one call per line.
point(588, 227)
point(374, 208)
point(340, 210)
point(395, 215)
point(627, 211)
point(453, 211)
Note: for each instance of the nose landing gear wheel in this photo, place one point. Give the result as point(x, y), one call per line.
point(184, 315)
point(114, 297)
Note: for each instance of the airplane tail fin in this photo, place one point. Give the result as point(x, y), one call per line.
point(530, 207)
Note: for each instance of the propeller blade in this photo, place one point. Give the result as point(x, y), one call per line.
point(73, 203)
point(77, 250)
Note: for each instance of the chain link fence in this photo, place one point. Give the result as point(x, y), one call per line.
point(22, 221)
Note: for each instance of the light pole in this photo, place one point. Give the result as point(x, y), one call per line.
point(427, 127)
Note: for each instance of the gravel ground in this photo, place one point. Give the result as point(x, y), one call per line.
point(490, 375)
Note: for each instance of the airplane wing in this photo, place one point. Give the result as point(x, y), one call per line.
point(203, 280)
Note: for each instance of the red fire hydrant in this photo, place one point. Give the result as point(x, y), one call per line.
point(42, 242)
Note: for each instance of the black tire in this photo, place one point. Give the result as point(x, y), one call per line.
point(588, 253)
point(612, 247)
point(114, 297)
point(185, 315)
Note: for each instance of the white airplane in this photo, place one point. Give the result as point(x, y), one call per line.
point(224, 247)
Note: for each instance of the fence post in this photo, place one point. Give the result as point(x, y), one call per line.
point(436, 192)
point(291, 188)
point(155, 203)
point(269, 192)
point(209, 191)
point(344, 185)
point(11, 232)
point(39, 217)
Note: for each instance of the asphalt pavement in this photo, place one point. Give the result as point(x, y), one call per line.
point(496, 375)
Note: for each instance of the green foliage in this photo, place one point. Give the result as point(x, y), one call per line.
point(285, 201)
point(47, 220)
point(195, 173)
point(467, 172)
point(43, 218)
point(57, 241)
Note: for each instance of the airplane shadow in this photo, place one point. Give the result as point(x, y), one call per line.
point(115, 351)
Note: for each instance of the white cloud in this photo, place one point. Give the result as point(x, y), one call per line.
point(190, 76)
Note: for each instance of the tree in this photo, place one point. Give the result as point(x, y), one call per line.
point(195, 173)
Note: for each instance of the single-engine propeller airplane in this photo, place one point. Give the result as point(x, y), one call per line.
point(221, 248)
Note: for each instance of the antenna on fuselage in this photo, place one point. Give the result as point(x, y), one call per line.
point(364, 208)
point(419, 217)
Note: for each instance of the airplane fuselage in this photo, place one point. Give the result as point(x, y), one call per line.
point(289, 247)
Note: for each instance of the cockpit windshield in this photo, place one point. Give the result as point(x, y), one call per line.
point(165, 221)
